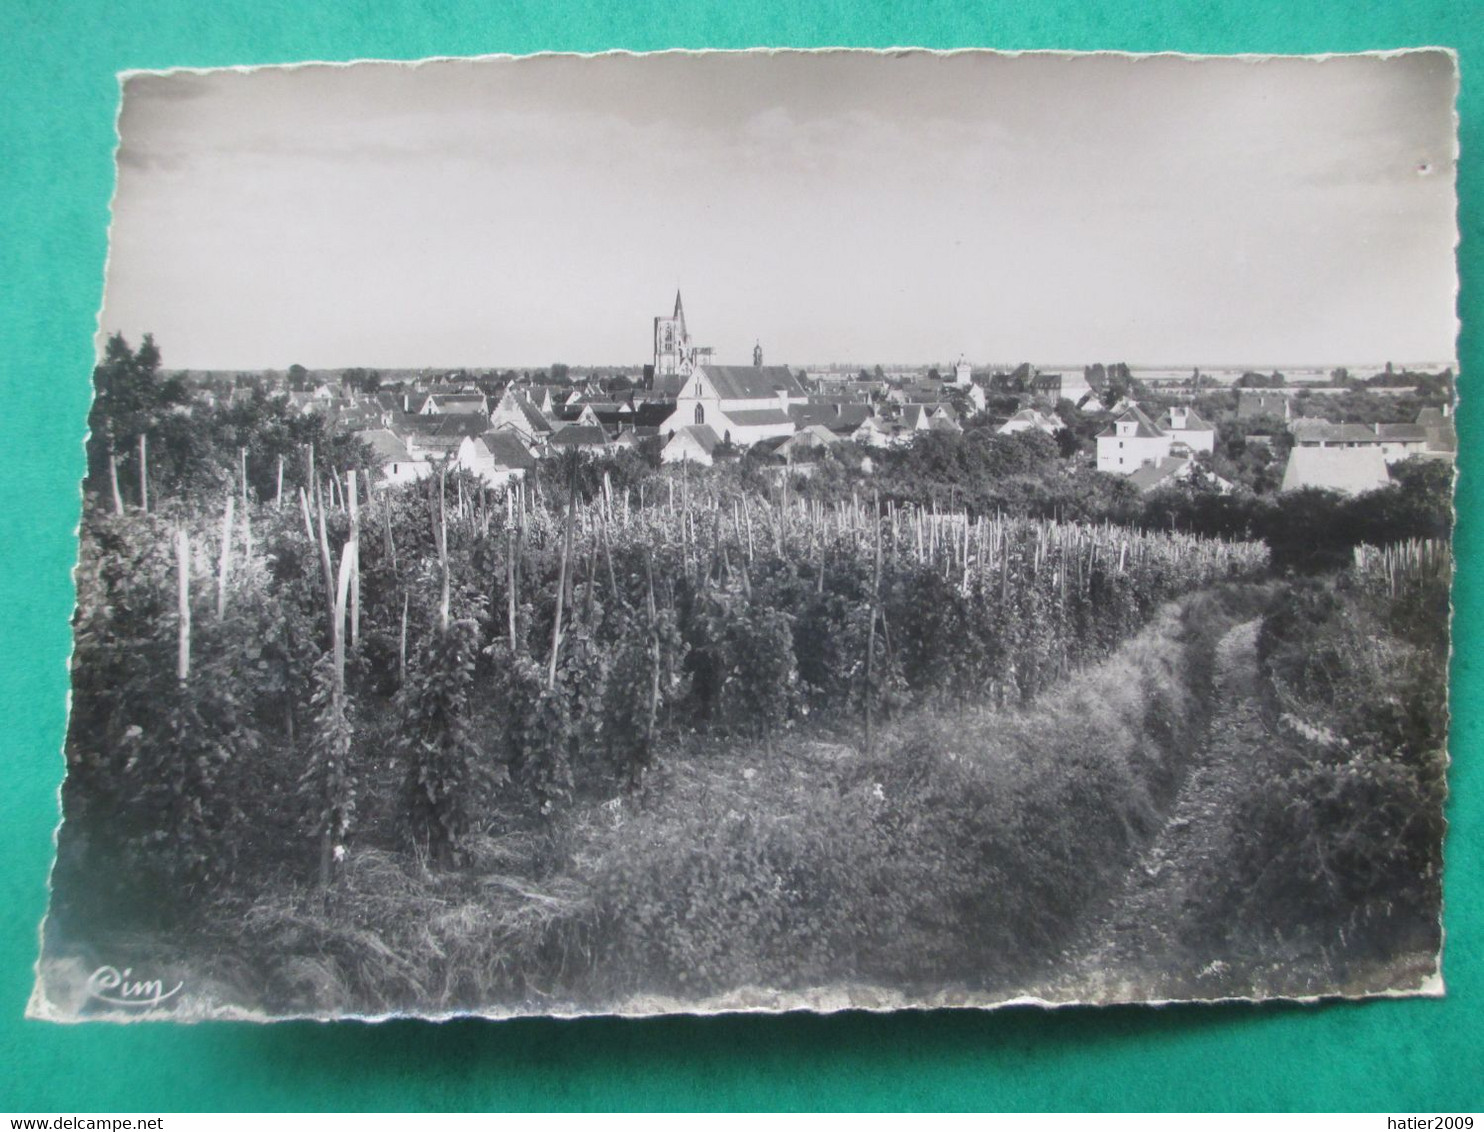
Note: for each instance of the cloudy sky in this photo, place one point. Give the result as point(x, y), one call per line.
point(837, 207)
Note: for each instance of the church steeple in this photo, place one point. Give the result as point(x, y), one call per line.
point(757, 354)
point(679, 315)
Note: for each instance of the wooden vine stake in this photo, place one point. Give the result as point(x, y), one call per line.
point(224, 565)
point(442, 536)
point(871, 632)
point(183, 586)
point(355, 559)
point(402, 643)
point(143, 472)
point(556, 625)
point(113, 482)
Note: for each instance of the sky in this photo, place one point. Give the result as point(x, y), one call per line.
point(833, 207)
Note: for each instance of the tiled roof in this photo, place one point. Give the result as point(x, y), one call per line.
point(507, 449)
point(1307, 430)
point(1348, 470)
point(747, 383)
point(842, 415)
point(535, 420)
point(1151, 476)
point(703, 435)
point(758, 417)
point(1416, 434)
point(385, 445)
point(460, 424)
point(1194, 422)
point(1147, 429)
point(579, 436)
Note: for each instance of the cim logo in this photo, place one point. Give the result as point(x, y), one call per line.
point(110, 985)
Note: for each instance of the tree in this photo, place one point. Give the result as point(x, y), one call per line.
point(131, 399)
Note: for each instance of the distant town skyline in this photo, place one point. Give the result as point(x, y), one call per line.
point(517, 213)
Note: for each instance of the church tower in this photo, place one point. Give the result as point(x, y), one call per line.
point(963, 373)
point(757, 355)
point(673, 353)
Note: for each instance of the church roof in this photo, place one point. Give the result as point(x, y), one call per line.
point(757, 416)
point(749, 383)
point(842, 415)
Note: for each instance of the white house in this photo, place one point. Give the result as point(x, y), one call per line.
point(517, 411)
point(1398, 441)
point(391, 456)
point(741, 404)
point(1185, 426)
point(1028, 419)
point(805, 444)
point(691, 444)
point(494, 466)
point(938, 416)
point(1131, 441)
point(877, 433)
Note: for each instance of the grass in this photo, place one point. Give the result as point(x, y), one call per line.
point(956, 859)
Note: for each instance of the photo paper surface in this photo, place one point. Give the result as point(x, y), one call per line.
point(758, 531)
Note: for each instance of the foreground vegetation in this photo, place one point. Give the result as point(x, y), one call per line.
point(624, 737)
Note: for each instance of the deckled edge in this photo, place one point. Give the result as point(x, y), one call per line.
point(40, 1008)
point(894, 51)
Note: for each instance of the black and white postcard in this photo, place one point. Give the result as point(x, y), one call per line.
point(729, 531)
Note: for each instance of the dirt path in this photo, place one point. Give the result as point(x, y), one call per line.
point(1137, 934)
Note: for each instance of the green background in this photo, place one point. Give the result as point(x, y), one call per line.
point(56, 137)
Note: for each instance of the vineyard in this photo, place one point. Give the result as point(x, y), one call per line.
point(277, 695)
point(630, 739)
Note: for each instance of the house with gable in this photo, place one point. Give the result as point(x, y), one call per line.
point(1442, 437)
point(1185, 426)
point(496, 459)
point(393, 458)
point(741, 404)
point(1130, 441)
point(581, 437)
point(694, 444)
point(1262, 403)
point(517, 411)
point(1028, 419)
point(876, 432)
point(930, 417)
point(462, 404)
